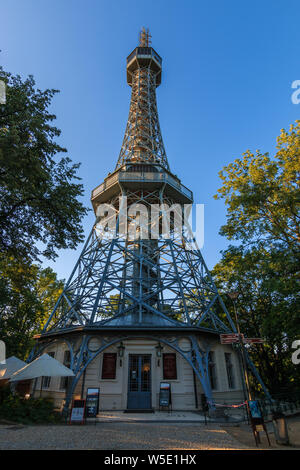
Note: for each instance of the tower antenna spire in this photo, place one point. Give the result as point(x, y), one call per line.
point(145, 37)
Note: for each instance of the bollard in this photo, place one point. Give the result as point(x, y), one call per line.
point(280, 429)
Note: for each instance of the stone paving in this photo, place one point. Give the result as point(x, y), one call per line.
point(119, 436)
point(159, 416)
point(156, 416)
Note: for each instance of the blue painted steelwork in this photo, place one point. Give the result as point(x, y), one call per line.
point(120, 283)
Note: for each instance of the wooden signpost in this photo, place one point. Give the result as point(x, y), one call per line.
point(256, 418)
point(229, 338)
point(257, 421)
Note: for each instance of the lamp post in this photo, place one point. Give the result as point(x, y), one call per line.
point(121, 349)
point(159, 349)
point(233, 296)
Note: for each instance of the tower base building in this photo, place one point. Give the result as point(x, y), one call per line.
point(132, 365)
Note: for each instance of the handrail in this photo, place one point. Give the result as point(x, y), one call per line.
point(139, 177)
point(150, 52)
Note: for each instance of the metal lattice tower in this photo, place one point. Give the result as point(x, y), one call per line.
point(156, 287)
point(143, 141)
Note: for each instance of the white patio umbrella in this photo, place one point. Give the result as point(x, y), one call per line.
point(44, 365)
point(12, 365)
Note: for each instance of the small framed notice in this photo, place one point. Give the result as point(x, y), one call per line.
point(259, 428)
point(165, 386)
point(77, 412)
point(254, 409)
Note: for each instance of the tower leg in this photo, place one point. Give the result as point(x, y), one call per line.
point(78, 367)
point(200, 366)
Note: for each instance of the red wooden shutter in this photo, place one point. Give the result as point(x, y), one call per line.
point(169, 366)
point(109, 366)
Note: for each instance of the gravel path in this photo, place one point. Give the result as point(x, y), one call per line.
point(118, 436)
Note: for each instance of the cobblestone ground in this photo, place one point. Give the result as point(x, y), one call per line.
point(119, 436)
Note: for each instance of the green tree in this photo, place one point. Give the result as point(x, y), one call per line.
point(268, 308)
point(40, 211)
point(262, 197)
point(30, 294)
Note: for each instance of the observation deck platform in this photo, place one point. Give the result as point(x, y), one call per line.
point(135, 180)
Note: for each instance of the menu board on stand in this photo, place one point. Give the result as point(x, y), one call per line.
point(165, 397)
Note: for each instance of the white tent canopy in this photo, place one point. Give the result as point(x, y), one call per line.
point(12, 365)
point(43, 366)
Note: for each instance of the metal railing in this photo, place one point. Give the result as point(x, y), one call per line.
point(281, 403)
point(148, 51)
point(140, 177)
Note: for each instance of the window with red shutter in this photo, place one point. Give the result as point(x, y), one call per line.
point(109, 366)
point(169, 366)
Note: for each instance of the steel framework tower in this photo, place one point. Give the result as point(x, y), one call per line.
point(150, 286)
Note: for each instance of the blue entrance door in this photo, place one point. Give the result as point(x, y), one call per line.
point(139, 382)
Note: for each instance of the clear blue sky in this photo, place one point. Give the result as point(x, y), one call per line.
point(228, 67)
